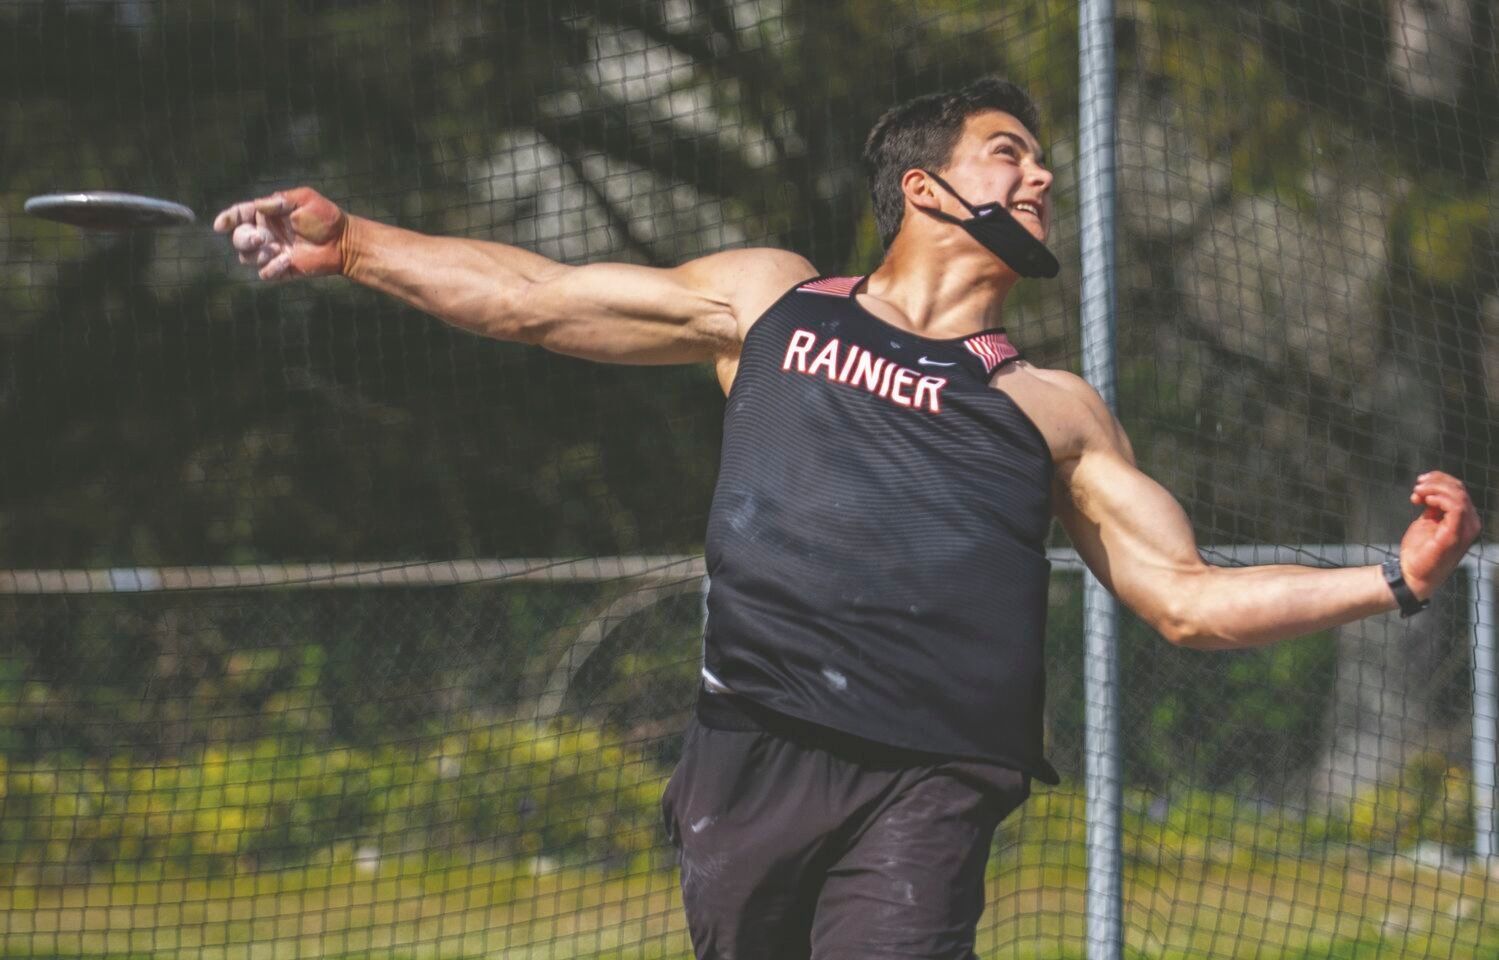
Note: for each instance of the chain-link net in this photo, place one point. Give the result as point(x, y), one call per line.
point(311, 699)
point(1307, 322)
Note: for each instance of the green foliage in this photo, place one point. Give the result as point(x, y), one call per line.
point(1448, 235)
point(168, 674)
point(1190, 827)
point(1432, 802)
point(1224, 718)
point(511, 788)
point(1248, 719)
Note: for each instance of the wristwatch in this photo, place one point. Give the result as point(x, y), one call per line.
point(1410, 604)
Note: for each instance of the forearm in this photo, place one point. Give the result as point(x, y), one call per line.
point(1137, 540)
point(1231, 608)
point(471, 284)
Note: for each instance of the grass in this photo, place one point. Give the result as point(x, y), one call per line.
point(406, 910)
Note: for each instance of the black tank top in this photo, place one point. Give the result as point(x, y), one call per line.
point(876, 544)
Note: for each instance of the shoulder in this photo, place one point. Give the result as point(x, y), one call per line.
point(1060, 379)
point(1057, 386)
point(1067, 409)
point(1070, 385)
point(748, 261)
point(750, 279)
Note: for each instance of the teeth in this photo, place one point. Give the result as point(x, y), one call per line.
point(1029, 208)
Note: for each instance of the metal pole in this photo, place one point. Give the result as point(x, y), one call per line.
point(1096, 91)
point(1485, 708)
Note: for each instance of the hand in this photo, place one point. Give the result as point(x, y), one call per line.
point(294, 233)
point(1435, 541)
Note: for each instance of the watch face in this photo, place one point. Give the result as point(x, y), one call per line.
point(1409, 603)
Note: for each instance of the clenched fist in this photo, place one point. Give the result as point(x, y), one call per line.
point(294, 233)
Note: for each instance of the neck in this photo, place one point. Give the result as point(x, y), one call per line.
point(940, 286)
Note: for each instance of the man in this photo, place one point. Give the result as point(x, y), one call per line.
point(873, 677)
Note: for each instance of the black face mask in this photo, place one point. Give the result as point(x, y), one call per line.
point(1002, 235)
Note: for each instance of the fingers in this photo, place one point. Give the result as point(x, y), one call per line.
point(275, 205)
point(231, 217)
point(261, 233)
point(1445, 500)
point(278, 267)
point(247, 210)
point(291, 233)
point(254, 244)
point(257, 245)
point(1435, 542)
point(278, 228)
point(1437, 478)
point(1432, 487)
point(299, 197)
point(1447, 503)
point(246, 238)
point(1447, 512)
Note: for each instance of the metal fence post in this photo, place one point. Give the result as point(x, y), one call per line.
point(1096, 92)
point(1485, 708)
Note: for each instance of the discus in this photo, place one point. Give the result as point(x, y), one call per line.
point(106, 210)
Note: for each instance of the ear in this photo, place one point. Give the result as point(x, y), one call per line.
point(919, 190)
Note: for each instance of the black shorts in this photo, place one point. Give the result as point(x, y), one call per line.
point(796, 841)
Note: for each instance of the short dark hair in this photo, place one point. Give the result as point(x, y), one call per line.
point(922, 132)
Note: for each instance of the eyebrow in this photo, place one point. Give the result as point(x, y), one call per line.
point(1020, 141)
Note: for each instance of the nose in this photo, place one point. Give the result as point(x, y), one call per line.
point(1039, 177)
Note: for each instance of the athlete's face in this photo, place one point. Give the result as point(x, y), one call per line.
point(997, 159)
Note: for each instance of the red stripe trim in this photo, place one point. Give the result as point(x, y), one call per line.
point(992, 348)
point(832, 286)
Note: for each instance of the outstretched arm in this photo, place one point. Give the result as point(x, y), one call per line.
point(1137, 540)
point(612, 312)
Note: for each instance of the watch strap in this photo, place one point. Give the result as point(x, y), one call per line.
point(1410, 604)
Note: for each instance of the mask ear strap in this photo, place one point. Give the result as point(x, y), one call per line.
point(943, 215)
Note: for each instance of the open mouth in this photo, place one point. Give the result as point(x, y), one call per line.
point(1025, 206)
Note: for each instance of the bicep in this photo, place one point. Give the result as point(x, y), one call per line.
point(625, 313)
point(1130, 531)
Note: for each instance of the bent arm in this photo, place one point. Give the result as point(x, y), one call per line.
point(1137, 540)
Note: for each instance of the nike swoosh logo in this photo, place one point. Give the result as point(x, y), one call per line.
point(935, 363)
